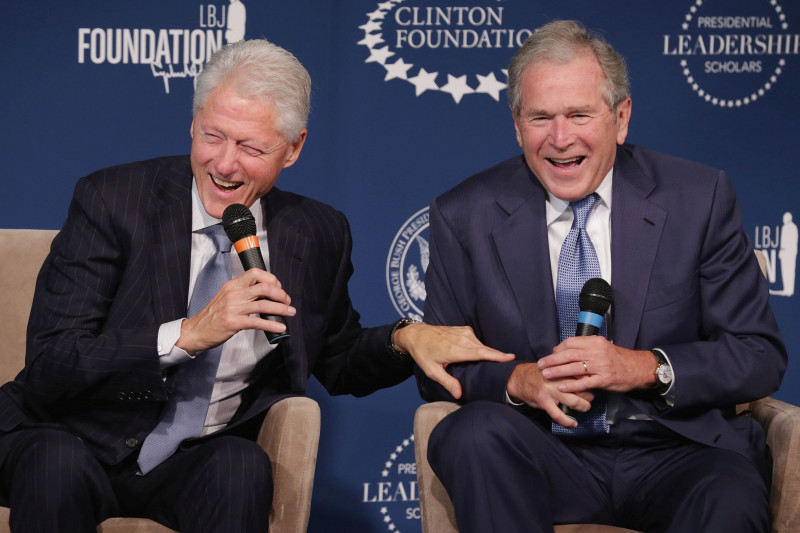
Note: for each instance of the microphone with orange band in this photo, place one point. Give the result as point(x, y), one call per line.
point(240, 227)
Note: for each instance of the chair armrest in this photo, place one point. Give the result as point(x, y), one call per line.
point(437, 510)
point(781, 423)
point(290, 436)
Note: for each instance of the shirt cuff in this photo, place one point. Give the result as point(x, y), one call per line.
point(168, 353)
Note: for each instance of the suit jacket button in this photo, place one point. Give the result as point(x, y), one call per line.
point(131, 442)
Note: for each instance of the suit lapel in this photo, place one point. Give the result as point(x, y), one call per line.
point(170, 225)
point(522, 248)
point(636, 227)
point(289, 249)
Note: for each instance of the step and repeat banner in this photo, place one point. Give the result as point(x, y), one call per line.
point(409, 98)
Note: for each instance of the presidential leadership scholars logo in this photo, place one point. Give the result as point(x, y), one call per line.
point(732, 53)
point(394, 492)
point(441, 46)
point(406, 266)
point(779, 246)
point(170, 52)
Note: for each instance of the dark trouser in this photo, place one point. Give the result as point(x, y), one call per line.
point(506, 473)
point(53, 483)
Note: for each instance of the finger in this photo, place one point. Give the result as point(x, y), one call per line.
point(580, 385)
point(560, 416)
point(575, 369)
point(483, 353)
point(439, 375)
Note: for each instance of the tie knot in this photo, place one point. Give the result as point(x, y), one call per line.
point(218, 235)
point(582, 208)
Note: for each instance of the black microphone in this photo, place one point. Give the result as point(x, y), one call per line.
point(594, 302)
point(240, 227)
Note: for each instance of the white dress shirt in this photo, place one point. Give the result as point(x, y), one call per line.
point(240, 353)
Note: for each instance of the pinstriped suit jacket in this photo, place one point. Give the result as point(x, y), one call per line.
point(119, 268)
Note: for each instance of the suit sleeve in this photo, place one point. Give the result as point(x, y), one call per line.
point(353, 360)
point(72, 352)
point(736, 354)
point(450, 301)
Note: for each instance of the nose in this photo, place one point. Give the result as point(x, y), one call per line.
point(561, 134)
point(227, 159)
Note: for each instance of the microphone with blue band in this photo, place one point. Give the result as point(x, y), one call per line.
point(594, 302)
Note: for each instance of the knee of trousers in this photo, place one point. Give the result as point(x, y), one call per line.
point(59, 456)
point(237, 461)
point(466, 435)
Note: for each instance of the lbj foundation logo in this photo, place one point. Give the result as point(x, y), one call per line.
point(170, 52)
point(779, 245)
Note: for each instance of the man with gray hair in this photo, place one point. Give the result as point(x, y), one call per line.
point(147, 369)
point(635, 426)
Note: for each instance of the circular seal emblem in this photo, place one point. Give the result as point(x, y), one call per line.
point(732, 53)
point(406, 265)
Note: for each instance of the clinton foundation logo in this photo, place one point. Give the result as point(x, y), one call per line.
point(393, 493)
point(732, 53)
point(459, 48)
point(169, 52)
point(778, 243)
point(406, 265)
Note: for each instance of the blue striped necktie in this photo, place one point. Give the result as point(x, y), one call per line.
point(577, 263)
point(184, 413)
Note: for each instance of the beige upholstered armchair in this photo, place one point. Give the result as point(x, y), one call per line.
point(781, 422)
point(289, 434)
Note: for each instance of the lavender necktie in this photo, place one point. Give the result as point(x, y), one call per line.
point(184, 414)
point(577, 263)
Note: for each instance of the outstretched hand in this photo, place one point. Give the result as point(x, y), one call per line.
point(435, 347)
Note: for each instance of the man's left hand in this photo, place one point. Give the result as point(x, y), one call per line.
point(596, 363)
point(435, 347)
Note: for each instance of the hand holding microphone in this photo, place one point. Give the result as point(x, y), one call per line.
point(594, 301)
point(240, 227)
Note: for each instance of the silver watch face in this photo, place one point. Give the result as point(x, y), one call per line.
point(664, 374)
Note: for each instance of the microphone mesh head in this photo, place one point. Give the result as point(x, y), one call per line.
point(238, 222)
point(595, 296)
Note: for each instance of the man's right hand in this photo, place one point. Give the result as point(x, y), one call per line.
point(234, 308)
point(527, 385)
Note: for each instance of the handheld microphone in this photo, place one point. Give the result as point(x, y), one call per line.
point(594, 302)
point(240, 227)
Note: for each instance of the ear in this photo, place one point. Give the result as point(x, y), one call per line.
point(623, 116)
point(515, 117)
point(294, 148)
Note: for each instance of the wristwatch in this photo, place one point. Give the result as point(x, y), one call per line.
point(663, 372)
point(391, 348)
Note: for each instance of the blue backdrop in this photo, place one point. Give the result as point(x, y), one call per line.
point(408, 99)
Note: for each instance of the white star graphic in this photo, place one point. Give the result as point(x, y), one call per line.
point(379, 55)
point(398, 69)
point(424, 80)
point(490, 85)
point(370, 26)
point(371, 39)
point(376, 15)
point(457, 87)
point(386, 6)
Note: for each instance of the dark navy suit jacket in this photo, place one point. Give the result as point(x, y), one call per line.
point(119, 268)
point(684, 279)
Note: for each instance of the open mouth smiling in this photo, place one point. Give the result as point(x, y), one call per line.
point(566, 163)
point(225, 185)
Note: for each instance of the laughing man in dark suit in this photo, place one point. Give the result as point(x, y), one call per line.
point(109, 331)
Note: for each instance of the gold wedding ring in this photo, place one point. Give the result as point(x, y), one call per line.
point(585, 368)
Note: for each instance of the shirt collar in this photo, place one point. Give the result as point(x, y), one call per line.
point(201, 219)
point(557, 206)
